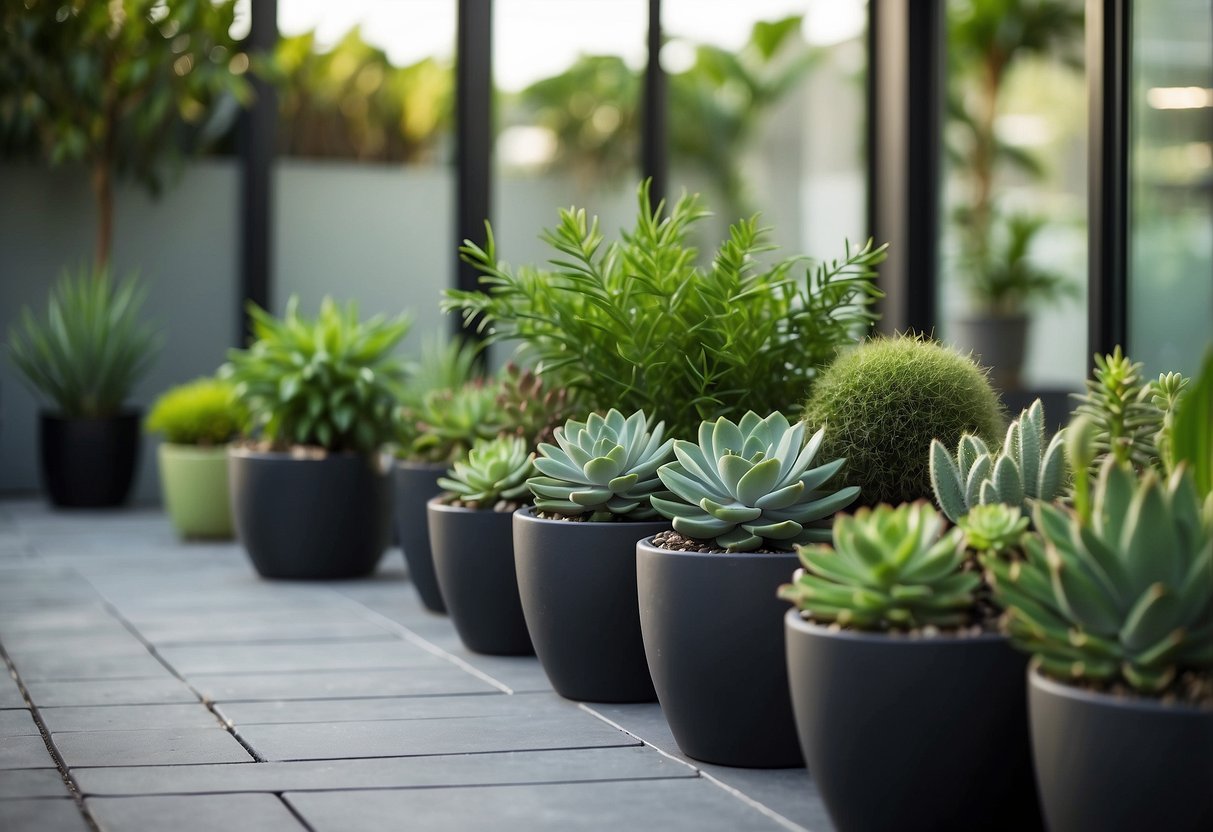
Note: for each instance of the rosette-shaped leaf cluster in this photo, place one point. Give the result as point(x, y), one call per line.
point(749, 485)
point(443, 424)
point(1122, 593)
point(602, 468)
point(994, 527)
point(495, 470)
point(889, 569)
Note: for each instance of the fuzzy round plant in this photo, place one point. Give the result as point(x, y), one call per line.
point(882, 404)
point(202, 412)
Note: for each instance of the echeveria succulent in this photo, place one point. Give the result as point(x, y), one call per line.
point(494, 470)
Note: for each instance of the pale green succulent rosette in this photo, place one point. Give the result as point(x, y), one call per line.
point(494, 470)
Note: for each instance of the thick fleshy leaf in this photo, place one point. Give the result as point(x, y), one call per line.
point(945, 482)
point(739, 540)
point(758, 482)
point(734, 513)
point(783, 498)
point(702, 527)
point(732, 468)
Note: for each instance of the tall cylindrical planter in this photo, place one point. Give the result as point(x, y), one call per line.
point(193, 480)
point(474, 562)
point(413, 485)
point(913, 733)
point(304, 517)
point(1116, 764)
point(998, 342)
point(88, 463)
point(578, 586)
point(713, 635)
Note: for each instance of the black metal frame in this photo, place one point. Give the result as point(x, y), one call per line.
point(473, 133)
point(654, 144)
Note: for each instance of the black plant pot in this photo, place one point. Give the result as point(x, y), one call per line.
point(310, 518)
point(913, 734)
point(474, 561)
point(413, 485)
point(88, 463)
point(578, 586)
point(1107, 763)
point(713, 635)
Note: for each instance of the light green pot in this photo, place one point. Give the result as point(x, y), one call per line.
point(194, 481)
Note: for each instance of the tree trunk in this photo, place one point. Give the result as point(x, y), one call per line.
point(103, 194)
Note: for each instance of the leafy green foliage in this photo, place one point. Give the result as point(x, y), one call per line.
point(1025, 469)
point(442, 426)
point(1001, 273)
point(884, 402)
point(530, 408)
point(749, 485)
point(889, 569)
point(1120, 593)
point(443, 365)
point(603, 468)
point(1192, 434)
point(330, 381)
point(202, 412)
point(639, 326)
point(90, 348)
point(494, 470)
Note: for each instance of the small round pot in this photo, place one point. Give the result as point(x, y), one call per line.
point(578, 586)
point(312, 519)
point(713, 635)
point(998, 342)
point(940, 724)
point(193, 480)
point(413, 484)
point(474, 562)
point(1106, 763)
point(88, 463)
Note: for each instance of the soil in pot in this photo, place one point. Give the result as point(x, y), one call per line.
point(913, 732)
point(88, 463)
point(1115, 763)
point(195, 485)
point(413, 485)
point(474, 563)
point(713, 636)
point(577, 581)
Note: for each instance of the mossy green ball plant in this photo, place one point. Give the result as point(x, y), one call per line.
point(883, 402)
point(203, 412)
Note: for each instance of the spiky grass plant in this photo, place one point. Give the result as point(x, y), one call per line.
point(749, 485)
point(604, 468)
point(203, 412)
point(883, 402)
point(494, 471)
point(889, 569)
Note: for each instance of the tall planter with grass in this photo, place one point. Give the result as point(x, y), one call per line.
point(85, 355)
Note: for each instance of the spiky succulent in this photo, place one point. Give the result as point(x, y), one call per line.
point(602, 468)
point(889, 569)
point(529, 407)
point(1025, 468)
point(995, 528)
point(1122, 593)
point(749, 485)
point(494, 470)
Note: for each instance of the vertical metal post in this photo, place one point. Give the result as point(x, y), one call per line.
point(257, 131)
point(473, 130)
point(654, 147)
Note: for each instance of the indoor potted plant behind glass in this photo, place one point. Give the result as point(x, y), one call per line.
point(591, 506)
point(310, 498)
point(197, 421)
point(85, 356)
point(739, 499)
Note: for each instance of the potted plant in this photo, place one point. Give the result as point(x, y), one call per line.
point(310, 498)
point(739, 500)
point(899, 675)
point(473, 548)
point(591, 506)
point(85, 355)
point(197, 421)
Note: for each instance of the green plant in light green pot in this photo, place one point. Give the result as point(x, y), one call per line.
point(749, 484)
point(494, 471)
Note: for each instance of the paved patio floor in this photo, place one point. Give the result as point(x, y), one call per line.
point(159, 685)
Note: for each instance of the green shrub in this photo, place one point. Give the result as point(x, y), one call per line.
point(91, 347)
point(202, 412)
point(883, 402)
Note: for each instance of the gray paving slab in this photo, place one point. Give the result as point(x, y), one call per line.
point(399, 707)
point(24, 752)
point(10, 694)
point(127, 717)
point(105, 640)
point(193, 813)
point(48, 693)
point(41, 815)
point(149, 746)
point(75, 665)
point(32, 782)
point(457, 735)
point(44, 622)
point(589, 764)
point(17, 723)
point(339, 685)
point(261, 629)
point(267, 658)
point(639, 804)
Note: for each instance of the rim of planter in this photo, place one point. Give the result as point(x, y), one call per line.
point(185, 449)
point(438, 503)
point(795, 621)
point(1110, 700)
point(647, 542)
point(252, 453)
point(529, 512)
point(124, 413)
point(415, 465)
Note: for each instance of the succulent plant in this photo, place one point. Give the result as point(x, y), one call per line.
point(202, 412)
point(443, 424)
point(1121, 592)
point(602, 468)
point(1024, 469)
point(994, 527)
point(494, 470)
point(889, 569)
point(529, 408)
point(749, 485)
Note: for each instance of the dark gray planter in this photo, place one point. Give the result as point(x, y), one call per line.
point(713, 635)
point(1113, 764)
point(474, 562)
point(998, 342)
point(321, 518)
point(578, 586)
point(88, 463)
point(911, 734)
point(413, 485)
